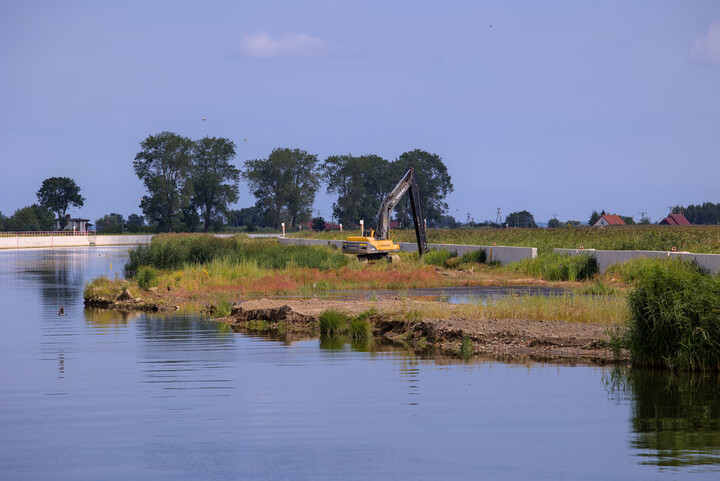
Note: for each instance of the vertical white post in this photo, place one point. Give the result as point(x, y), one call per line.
point(362, 227)
point(340, 227)
point(283, 226)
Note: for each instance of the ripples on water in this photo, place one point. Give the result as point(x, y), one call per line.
point(107, 395)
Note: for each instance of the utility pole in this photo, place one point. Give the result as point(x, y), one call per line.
point(497, 217)
point(642, 216)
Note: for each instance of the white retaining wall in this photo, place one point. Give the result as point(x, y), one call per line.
point(604, 259)
point(501, 254)
point(21, 242)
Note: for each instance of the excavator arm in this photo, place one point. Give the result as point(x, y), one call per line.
point(377, 244)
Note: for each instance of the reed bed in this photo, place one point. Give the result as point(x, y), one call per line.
point(675, 317)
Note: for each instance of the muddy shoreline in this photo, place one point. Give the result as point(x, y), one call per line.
point(396, 321)
point(393, 320)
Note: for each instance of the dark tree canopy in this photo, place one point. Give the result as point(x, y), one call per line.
point(164, 165)
point(434, 183)
point(361, 184)
point(249, 217)
point(31, 218)
point(705, 214)
point(215, 179)
point(522, 218)
point(284, 184)
point(58, 194)
point(110, 223)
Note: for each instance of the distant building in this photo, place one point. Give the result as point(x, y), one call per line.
point(675, 219)
point(76, 225)
point(609, 219)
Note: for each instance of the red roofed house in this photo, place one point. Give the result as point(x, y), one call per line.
point(609, 219)
point(675, 219)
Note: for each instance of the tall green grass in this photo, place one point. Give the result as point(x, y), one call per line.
point(675, 317)
point(175, 251)
point(557, 267)
point(336, 323)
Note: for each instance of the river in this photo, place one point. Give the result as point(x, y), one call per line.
point(100, 395)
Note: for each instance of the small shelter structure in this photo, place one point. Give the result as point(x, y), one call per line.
point(609, 219)
point(675, 219)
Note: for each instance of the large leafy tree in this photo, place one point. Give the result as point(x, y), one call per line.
point(434, 184)
point(521, 218)
point(215, 179)
point(163, 165)
point(58, 194)
point(284, 184)
point(361, 184)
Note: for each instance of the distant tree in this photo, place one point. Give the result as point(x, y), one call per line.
point(58, 194)
point(573, 223)
point(3, 221)
point(215, 179)
point(361, 184)
point(251, 218)
point(110, 224)
point(134, 223)
point(434, 184)
point(318, 223)
point(595, 216)
point(284, 184)
point(163, 165)
point(705, 214)
point(446, 222)
point(522, 218)
point(627, 219)
point(644, 221)
point(31, 218)
point(554, 223)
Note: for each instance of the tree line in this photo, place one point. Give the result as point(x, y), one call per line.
point(705, 214)
point(190, 183)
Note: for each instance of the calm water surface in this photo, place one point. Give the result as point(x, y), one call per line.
point(102, 396)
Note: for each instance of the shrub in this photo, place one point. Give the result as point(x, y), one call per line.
point(558, 267)
point(360, 328)
point(333, 323)
point(147, 277)
point(438, 257)
point(477, 256)
point(675, 317)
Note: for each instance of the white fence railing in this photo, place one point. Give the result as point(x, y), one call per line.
point(48, 233)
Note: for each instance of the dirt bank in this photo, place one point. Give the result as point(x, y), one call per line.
point(397, 321)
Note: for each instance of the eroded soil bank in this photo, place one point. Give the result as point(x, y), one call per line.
point(397, 321)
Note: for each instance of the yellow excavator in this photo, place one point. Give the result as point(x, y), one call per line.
point(374, 244)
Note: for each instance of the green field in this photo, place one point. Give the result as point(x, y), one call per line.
point(698, 239)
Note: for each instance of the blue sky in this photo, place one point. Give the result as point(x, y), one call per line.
point(553, 107)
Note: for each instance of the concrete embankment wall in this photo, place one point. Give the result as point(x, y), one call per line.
point(605, 259)
point(500, 254)
point(22, 242)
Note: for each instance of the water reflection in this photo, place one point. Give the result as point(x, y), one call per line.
point(675, 416)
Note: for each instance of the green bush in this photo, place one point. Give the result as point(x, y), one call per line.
point(675, 317)
point(558, 267)
point(147, 277)
point(438, 257)
point(360, 328)
point(477, 256)
point(333, 323)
